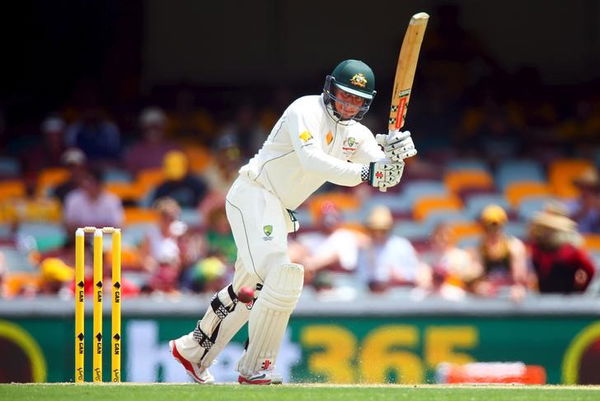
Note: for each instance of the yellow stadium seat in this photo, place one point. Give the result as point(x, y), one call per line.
point(520, 190)
point(134, 215)
point(458, 180)
point(428, 204)
point(561, 174)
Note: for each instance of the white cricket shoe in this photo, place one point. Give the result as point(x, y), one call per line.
point(262, 377)
point(196, 372)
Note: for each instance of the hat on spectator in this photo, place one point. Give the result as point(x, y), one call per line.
point(54, 269)
point(175, 165)
point(588, 179)
point(553, 221)
point(493, 214)
point(53, 124)
point(73, 156)
point(152, 116)
point(380, 218)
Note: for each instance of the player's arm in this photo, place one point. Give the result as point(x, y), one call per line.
point(306, 140)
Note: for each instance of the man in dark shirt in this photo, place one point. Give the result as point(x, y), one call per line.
point(560, 264)
point(187, 189)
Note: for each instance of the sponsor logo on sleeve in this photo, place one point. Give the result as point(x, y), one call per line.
point(305, 136)
point(329, 137)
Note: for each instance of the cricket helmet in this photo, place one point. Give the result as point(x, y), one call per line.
point(354, 77)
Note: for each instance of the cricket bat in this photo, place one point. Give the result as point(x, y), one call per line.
point(405, 70)
point(405, 74)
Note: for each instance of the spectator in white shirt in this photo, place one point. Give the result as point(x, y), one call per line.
point(92, 205)
point(387, 259)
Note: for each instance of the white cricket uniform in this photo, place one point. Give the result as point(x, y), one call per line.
point(306, 148)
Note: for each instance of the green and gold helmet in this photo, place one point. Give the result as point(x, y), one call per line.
point(354, 77)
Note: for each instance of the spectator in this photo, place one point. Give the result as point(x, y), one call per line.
point(221, 173)
point(160, 250)
point(151, 150)
point(502, 257)
point(332, 247)
point(386, 259)
point(92, 205)
point(585, 210)
point(560, 264)
point(227, 161)
point(96, 136)
point(186, 189)
point(451, 268)
point(219, 237)
point(49, 150)
point(246, 130)
point(55, 277)
point(3, 276)
point(74, 160)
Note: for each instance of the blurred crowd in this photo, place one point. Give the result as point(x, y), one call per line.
point(161, 174)
point(168, 196)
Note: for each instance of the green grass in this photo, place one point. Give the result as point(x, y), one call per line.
point(291, 392)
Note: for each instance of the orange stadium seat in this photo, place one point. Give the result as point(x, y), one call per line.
point(518, 191)
point(342, 201)
point(591, 242)
point(199, 158)
point(561, 174)
point(50, 178)
point(11, 189)
point(464, 229)
point(428, 204)
point(459, 180)
point(148, 179)
point(125, 191)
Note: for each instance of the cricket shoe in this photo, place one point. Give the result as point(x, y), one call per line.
point(262, 377)
point(196, 372)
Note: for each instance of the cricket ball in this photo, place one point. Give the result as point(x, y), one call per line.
point(245, 294)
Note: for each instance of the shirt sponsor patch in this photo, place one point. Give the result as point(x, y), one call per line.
point(305, 136)
point(329, 137)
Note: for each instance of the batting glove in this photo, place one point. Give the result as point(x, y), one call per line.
point(397, 145)
point(383, 174)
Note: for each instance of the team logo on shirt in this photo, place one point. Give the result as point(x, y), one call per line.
point(350, 144)
point(305, 136)
point(359, 80)
point(268, 230)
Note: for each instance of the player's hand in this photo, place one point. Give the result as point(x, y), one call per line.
point(383, 174)
point(397, 145)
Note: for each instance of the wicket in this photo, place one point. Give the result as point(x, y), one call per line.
point(97, 313)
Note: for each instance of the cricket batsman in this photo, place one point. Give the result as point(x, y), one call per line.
point(317, 139)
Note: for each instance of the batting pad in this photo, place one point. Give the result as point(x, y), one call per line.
point(223, 318)
point(269, 317)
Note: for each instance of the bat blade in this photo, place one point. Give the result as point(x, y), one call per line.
point(405, 70)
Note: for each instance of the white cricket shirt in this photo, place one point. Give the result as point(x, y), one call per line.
point(308, 147)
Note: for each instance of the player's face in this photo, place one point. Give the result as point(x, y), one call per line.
point(348, 105)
